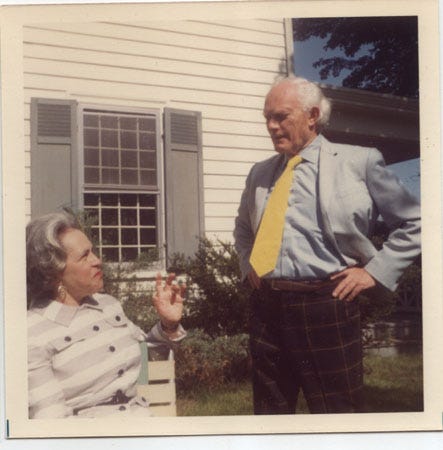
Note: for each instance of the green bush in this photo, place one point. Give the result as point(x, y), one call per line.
point(202, 360)
point(217, 300)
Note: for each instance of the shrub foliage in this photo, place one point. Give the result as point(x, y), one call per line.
point(217, 300)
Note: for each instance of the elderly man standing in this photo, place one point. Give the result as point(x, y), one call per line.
point(302, 233)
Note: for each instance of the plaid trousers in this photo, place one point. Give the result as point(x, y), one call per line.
point(305, 341)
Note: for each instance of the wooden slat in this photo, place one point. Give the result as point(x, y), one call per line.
point(116, 46)
point(148, 63)
point(232, 30)
point(157, 393)
point(152, 75)
point(169, 37)
point(147, 88)
point(163, 410)
point(161, 370)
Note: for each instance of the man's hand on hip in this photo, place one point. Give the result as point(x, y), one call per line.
point(352, 281)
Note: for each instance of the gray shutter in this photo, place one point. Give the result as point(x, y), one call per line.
point(183, 181)
point(54, 183)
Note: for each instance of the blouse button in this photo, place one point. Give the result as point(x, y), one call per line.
point(122, 408)
point(68, 338)
point(96, 328)
point(121, 372)
point(111, 348)
point(118, 318)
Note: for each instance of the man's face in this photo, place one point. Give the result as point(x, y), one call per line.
point(290, 127)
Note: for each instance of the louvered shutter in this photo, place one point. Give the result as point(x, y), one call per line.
point(54, 183)
point(183, 181)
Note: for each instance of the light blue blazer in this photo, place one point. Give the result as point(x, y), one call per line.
point(354, 189)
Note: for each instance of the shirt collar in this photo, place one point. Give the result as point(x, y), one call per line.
point(64, 314)
point(311, 152)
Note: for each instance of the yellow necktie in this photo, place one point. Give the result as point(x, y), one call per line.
point(269, 236)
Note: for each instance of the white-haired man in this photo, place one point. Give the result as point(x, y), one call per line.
point(302, 234)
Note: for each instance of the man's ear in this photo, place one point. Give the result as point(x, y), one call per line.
point(314, 115)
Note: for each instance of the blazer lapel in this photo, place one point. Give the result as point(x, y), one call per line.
point(326, 183)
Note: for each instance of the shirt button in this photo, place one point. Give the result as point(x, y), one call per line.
point(122, 408)
point(111, 348)
point(118, 318)
point(121, 372)
point(68, 338)
point(96, 328)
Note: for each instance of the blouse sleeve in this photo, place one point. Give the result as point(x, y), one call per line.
point(46, 399)
point(157, 336)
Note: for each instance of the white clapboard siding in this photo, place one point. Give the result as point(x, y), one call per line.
point(221, 68)
point(148, 88)
point(220, 209)
point(94, 59)
point(114, 48)
point(189, 40)
point(220, 196)
point(244, 155)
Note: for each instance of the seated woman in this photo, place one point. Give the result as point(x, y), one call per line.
point(83, 352)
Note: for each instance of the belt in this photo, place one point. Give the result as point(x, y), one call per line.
point(298, 286)
point(119, 398)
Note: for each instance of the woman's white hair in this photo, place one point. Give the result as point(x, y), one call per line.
point(45, 256)
point(310, 96)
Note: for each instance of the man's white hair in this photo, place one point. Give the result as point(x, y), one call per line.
point(310, 96)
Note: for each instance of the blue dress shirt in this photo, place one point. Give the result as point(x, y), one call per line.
point(305, 253)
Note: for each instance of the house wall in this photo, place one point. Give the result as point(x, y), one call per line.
point(222, 69)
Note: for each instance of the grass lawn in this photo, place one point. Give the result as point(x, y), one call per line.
point(392, 384)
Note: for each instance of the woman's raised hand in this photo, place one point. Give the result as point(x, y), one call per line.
point(168, 301)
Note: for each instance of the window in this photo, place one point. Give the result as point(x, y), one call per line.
point(142, 190)
point(121, 182)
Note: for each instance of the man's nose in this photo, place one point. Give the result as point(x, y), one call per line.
point(272, 124)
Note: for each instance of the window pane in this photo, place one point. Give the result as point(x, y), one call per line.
point(148, 160)
point(129, 159)
point(129, 254)
point(128, 199)
point(110, 176)
point(120, 227)
point(91, 157)
point(129, 217)
point(147, 217)
point(148, 200)
point(148, 177)
point(109, 236)
point(148, 141)
point(92, 176)
point(91, 216)
point(109, 217)
point(128, 139)
point(94, 235)
point(91, 199)
point(148, 236)
point(129, 236)
point(130, 177)
point(90, 120)
point(90, 138)
point(109, 121)
point(110, 254)
point(109, 138)
point(147, 124)
point(128, 123)
point(110, 158)
point(109, 199)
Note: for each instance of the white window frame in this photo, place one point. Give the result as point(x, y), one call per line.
point(81, 188)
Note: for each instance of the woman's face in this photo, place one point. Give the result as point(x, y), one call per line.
point(82, 275)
